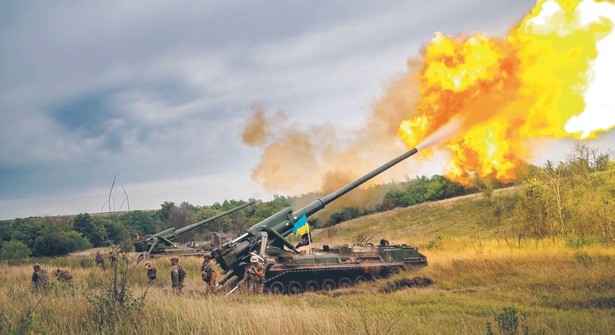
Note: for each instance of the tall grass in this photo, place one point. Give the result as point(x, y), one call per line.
point(558, 291)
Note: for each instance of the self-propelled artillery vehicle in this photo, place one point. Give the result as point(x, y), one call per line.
point(162, 242)
point(291, 271)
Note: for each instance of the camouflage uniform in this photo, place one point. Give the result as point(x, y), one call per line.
point(63, 275)
point(40, 281)
point(151, 271)
point(208, 274)
point(177, 275)
point(100, 260)
point(112, 257)
point(255, 276)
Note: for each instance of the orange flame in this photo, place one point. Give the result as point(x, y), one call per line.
point(505, 92)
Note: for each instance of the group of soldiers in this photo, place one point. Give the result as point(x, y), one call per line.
point(100, 259)
point(40, 280)
point(253, 279)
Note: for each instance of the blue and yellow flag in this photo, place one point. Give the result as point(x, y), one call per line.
point(301, 226)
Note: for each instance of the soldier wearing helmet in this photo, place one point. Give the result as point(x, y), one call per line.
point(178, 274)
point(100, 259)
point(63, 275)
point(151, 271)
point(40, 280)
point(208, 274)
point(255, 275)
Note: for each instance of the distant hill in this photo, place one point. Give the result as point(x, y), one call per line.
point(467, 216)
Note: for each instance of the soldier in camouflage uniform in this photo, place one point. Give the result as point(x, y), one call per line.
point(151, 271)
point(40, 281)
point(208, 274)
point(100, 260)
point(63, 275)
point(112, 257)
point(255, 275)
point(178, 274)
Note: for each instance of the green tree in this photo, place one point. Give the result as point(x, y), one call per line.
point(347, 213)
point(14, 249)
point(78, 241)
point(165, 210)
point(219, 225)
point(140, 222)
point(26, 231)
point(115, 231)
point(92, 230)
point(5, 231)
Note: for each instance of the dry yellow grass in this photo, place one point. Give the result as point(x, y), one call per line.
point(560, 291)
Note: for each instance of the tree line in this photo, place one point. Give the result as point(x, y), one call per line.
point(55, 236)
point(572, 199)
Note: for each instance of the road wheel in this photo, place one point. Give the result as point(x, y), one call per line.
point(276, 288)
point(360, 280)
point(395, 270)
point(345, 282)
point(311, 286)
point(294, 287)
point(328, 285)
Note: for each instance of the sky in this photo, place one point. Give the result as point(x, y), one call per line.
point(157, 93)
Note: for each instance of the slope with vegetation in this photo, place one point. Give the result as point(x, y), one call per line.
point(536, 258)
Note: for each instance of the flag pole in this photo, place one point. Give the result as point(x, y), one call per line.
point(309, 238)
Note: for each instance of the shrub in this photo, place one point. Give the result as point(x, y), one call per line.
point(14, 249)
point(53, 244)
point(79, 242)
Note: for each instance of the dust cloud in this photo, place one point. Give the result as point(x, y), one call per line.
point(321, 158)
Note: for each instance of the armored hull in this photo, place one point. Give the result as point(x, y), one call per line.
point(340, 267)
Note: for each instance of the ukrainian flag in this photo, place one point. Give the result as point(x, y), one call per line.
point(301, 226)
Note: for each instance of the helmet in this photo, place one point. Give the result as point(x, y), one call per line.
point(174, 258)
point(207, 256)
point(254, 259)
point(36, 266)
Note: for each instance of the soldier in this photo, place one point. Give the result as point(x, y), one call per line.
point(178, 274)
point(255, 275)
point(208, 274)
point(305, 240)
point(151, 271)
point(112, 257)
point(40, 281)
point(63, 275)
point(100, 260)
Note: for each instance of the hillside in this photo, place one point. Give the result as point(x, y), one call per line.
point(465, 217)
point(479, 283)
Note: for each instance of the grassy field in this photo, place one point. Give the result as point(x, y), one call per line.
point(554, 289)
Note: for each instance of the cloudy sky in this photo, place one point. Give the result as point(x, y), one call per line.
point(158, 92)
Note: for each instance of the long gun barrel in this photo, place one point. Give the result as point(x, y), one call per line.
point(279, 225)
point(217, 216)
point(167, 236)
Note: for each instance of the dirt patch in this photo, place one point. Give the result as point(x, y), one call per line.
point(403, 283)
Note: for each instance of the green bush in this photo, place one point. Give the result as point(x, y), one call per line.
point(53, 244)
point(93, 230)
point(79, 242)
point(14, 249)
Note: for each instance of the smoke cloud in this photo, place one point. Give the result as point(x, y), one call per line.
point(321, 158)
